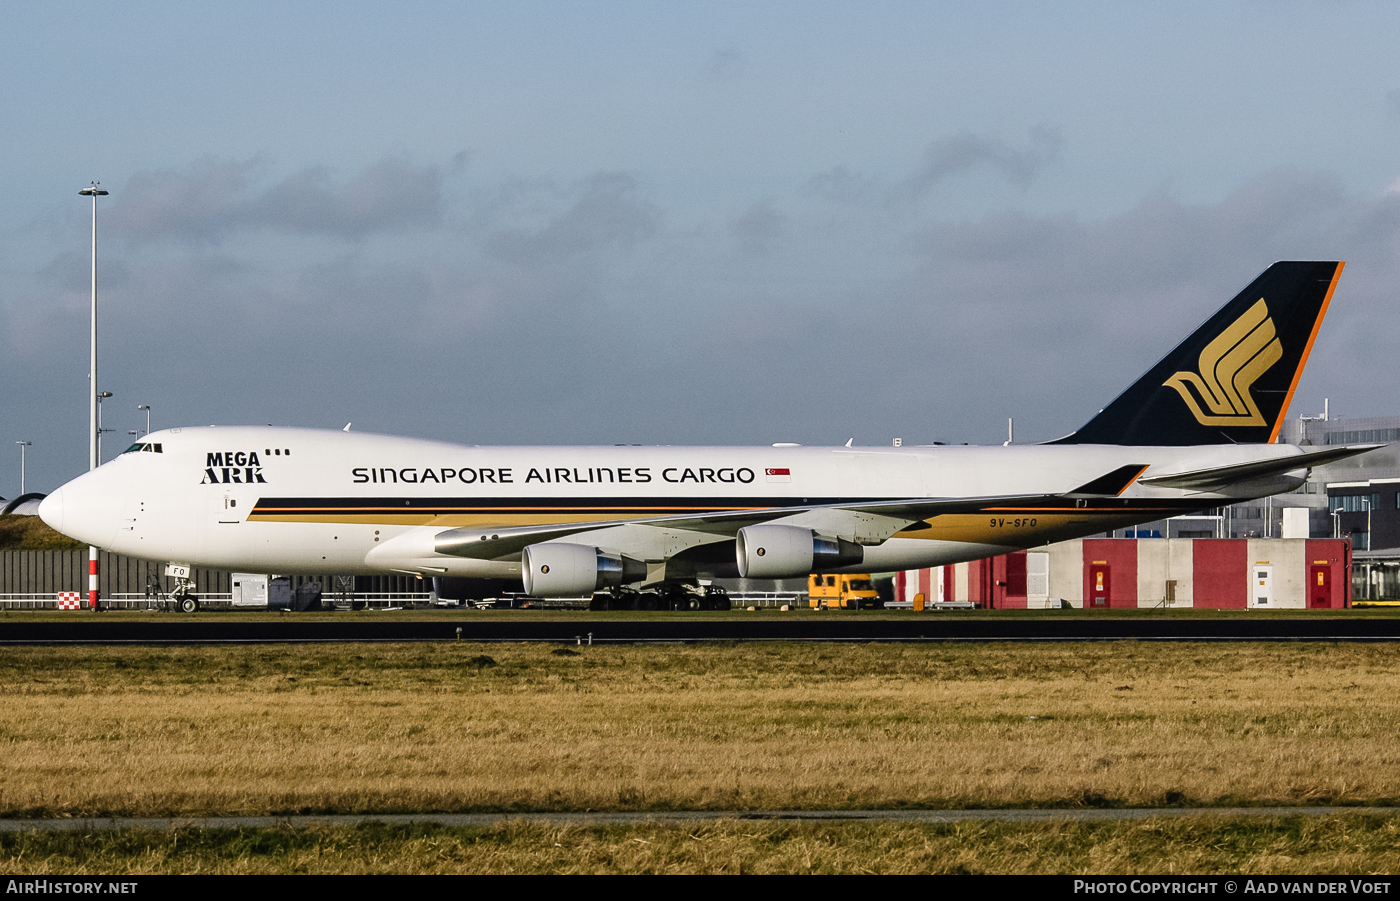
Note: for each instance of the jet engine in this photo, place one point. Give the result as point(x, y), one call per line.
point(782, 552)
point(570, 570)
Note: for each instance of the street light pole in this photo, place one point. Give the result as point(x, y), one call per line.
point(100, 430)
point(22, 446)
point(147, 408)
point(94, 192)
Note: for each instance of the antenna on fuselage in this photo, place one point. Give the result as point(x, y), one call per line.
point(347, 427)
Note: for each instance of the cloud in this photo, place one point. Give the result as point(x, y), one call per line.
point(963, 152)
point(608, 214)
point(839, 185)
point(386, 195)
point(759, 228)
point(199, 203)
point(1070, 310)
point(727, 64)
point(213, 198)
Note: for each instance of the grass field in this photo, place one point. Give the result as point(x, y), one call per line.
point(1201, 845)
point(461, 727)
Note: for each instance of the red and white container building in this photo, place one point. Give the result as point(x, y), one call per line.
point(1221, 573)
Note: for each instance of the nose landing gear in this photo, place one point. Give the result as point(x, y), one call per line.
point(182, 596)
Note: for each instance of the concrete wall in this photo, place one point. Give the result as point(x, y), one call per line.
point(1160, 562)
point(1066, 572)
point(1290, 571)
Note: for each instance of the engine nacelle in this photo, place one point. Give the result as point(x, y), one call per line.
point(571, 570)
point(783, 552)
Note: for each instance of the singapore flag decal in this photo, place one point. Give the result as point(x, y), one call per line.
point(778, 475)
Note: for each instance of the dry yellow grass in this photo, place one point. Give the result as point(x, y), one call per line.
point(390, 728)
point(1273, 846)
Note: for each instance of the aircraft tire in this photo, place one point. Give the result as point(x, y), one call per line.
point(648, 600)
point(187, 603)
point(715, 599)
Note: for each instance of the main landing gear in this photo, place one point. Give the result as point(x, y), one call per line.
point(665, 596)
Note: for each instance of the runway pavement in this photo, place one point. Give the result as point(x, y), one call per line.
point(111, 629)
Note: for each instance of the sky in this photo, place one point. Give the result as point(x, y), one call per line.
point(674, 223)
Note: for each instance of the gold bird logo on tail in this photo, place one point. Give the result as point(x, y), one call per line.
point(1229, 366)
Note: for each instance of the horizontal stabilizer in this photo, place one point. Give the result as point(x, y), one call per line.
point(1223, 476)
point(1113, 484)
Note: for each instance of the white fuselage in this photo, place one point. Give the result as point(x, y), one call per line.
point(299, 500)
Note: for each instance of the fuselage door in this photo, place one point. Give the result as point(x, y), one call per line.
point(229, 511)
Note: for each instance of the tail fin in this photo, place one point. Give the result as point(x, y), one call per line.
point(1231, 382)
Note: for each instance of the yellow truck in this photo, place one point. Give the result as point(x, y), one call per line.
point(841, 592)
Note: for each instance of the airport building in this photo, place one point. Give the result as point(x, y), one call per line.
point(1103, 573)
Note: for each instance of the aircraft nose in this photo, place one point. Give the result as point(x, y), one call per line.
point(51, 510)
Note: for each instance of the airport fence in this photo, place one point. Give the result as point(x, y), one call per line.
point(768, 598)
point(33, 580)
point(25, 573)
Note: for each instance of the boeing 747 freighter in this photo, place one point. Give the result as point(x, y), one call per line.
point(638, 525)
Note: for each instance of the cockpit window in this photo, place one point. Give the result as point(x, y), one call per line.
point(148, 447)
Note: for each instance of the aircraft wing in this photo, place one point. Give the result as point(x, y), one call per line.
point(869, 522)
point(1222, 476)
point(494, 543)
